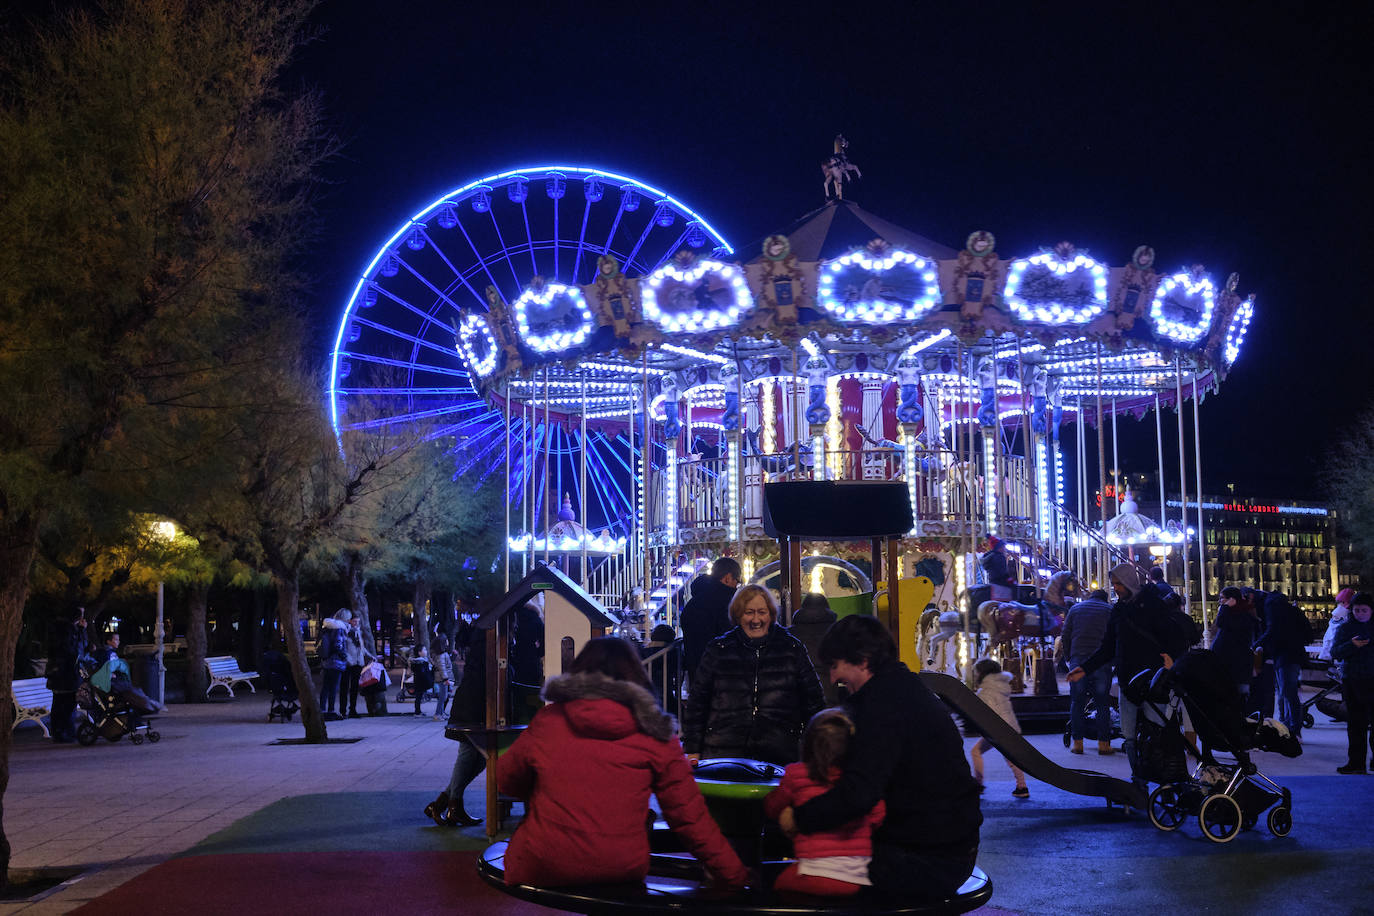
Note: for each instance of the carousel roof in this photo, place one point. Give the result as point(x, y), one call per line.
point(840, 226)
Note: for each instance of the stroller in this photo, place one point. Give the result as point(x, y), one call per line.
point(285, 698)
point(1322, 699)
point(109, 712)
point(1226, 796)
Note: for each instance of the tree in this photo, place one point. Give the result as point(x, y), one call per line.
point(155, 178)
point(1349, 479)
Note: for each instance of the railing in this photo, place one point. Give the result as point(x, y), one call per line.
point(1074, 546)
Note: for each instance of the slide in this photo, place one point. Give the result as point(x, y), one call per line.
point(1020, 751)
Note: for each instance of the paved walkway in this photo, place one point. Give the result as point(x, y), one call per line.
point(115, 810)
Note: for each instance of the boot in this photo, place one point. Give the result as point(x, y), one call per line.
point(1077, 746)
point(435, 809)
point(1104, 749)
point(457, 817)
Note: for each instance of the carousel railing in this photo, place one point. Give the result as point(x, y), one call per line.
point(1075, 546)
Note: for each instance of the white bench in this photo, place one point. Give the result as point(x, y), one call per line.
point(32, 701)
point(224, 672)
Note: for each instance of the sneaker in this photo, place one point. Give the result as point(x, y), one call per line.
point(1351, 769)
point(1020, 792)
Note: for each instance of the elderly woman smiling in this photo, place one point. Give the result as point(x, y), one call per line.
point(755, 689)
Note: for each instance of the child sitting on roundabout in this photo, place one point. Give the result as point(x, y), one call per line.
point(603, 728)
point(830, 863)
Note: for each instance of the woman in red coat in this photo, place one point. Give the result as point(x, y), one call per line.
point(586, 766)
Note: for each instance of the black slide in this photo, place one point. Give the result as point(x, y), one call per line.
point(1020, 751)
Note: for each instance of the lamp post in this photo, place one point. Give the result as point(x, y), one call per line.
point(165, 532)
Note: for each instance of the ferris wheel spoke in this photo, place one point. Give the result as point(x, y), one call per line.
point(634, 252)
point(615, 224)
point(603, 495)
point(458, 224)
point(529, 237)
point(402, 335)
point(581, 241)
point(409, 365)
point(410, 417)
point(505, 252)
point(459, 275)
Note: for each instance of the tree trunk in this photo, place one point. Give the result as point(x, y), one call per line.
point(197, 679)
point(288, 613)
point(355, 585)
point(420, 623)
point(18, 542)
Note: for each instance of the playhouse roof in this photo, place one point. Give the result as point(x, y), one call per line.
point(545, 579)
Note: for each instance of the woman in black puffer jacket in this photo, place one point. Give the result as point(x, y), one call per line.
point(755, 688)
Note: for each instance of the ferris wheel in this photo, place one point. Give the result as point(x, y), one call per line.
point(394, 360)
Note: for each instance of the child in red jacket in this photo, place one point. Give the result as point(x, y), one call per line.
point(831, 863)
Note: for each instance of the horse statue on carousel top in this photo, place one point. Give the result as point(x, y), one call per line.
point(1005, 621)
point(837, 169)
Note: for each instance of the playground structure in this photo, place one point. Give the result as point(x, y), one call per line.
point(638, 383)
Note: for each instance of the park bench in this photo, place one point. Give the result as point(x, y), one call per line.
point(224, 672)
point(676, 886)
point(32, 701)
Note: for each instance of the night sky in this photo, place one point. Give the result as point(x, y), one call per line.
point(1227, 136)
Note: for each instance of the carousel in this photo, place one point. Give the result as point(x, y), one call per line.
point(637, 382)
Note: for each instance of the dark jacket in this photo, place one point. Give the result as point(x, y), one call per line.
point(470, 698)
point(1357, 662)
point(705, 616)
point(586, 766)
point(994, 563)
point(906, 751)
point(1233, 645)
point(1286, 631)
point(1084, 627)
point(332, 648)
point(751, 698)
point(66, 645)
point(1138, 631)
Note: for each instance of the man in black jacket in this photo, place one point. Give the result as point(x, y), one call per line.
point(907, 752)
point(1140, 637)
point(707, 614)
point(1285, 638)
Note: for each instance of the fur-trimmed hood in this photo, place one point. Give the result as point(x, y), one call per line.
point(603, 707)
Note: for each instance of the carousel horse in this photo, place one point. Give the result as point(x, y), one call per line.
point(1005, 621)
point(837, 169)
point(935, 640)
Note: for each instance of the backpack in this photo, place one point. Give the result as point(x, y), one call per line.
point(1184, 626)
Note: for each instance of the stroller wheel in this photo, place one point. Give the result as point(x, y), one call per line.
point(1066, 736)
point(1280, 820)
point(154, 737)
point(1168, 807)
point(1307, 720)
point(1220, 818)
point(86, 735)
point(136, 739)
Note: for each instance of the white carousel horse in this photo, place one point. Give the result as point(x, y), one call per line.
point(935, 644)
point(837, 168)
point(1004, 621)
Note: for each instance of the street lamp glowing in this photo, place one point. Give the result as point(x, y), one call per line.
point(165, 531)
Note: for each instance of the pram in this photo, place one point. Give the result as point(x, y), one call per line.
point(1333, 707)
point(1226, 797)
point(108, 713)
point(285, 697)
point(1090, 714)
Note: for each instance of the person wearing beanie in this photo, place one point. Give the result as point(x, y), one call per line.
point(1139, 637)
point(1338, 617)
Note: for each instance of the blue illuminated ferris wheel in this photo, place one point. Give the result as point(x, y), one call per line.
point(394, 359)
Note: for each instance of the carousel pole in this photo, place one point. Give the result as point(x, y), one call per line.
point(1081, 483)
point(1116, 462)
point(1101, 475)
point(644, 462)
point(527, 487)
point(1182, 480)
point(796, 420)
point(632, 532)
point(548, 437)
point(1201, 533)
point(1159, 448)
point(583, 577)
point(507, 484)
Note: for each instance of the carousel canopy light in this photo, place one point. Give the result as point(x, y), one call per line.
point(477, 345)
point(574, 306)
point(854, 288)
point(1235, 334)
point(690, 305)
point(1054, 274)
point(1176, 291)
